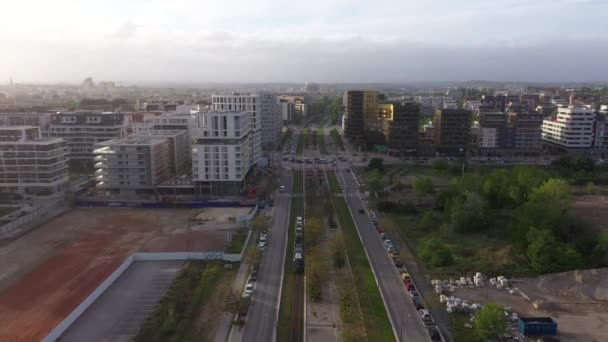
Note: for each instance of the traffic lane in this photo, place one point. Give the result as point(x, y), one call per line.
point(400, 307)
point(261, 320)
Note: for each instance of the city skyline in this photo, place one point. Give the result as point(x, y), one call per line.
point(337, 41)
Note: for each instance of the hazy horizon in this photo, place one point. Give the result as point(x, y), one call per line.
point(387, 41)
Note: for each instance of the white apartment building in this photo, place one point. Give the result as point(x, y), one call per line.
point(221, 151)
point(82, 130)
point(488, 137)
point(266, 116)
point(472, 105)
point(572, 127)
point(131, 163)
point(30, 164)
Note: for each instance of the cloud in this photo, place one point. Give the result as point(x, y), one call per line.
point(328, 41)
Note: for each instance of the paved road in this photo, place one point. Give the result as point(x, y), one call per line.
point(402, 312)
point(262, 317)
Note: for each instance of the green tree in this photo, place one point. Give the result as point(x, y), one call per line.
point(374, 179)
point(470, 214)
point(429, 222)
point(377, 164)
point(490, 322)
point(440, 164)
point(336, 249)
point(317, 273)
point(260, 223)
point(548, 255)
point(435, 253)
point(422, 186)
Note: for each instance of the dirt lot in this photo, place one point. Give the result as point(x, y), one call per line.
point(46, 273)
point(592, 209)
point(578, 301)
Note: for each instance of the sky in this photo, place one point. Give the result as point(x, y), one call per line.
point(328, 41)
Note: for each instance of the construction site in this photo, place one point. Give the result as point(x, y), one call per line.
point(48, 272)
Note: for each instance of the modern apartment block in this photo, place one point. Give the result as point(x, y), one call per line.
point(492, 130)
point(571, 128)
point(179, 149)
point(601, 132)
point(42, 120)
point(30, 164)
point(271, 119)
point(292, 106)
point(358, 106)
point(132, 163)
point(526, 131)
point(82, 130)
point(252, 103)
point(402, 130)
point(221, 152)
point(452, 133)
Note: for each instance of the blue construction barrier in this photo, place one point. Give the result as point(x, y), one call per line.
point(190, 204)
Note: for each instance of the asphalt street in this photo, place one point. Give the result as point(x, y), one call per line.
point(262, 316)
point(404, 317)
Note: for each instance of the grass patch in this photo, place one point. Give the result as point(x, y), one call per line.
point(174, 319)
point(377, 324)
point(337, 138)
point(488, 252)
point(286, 136)
point(301, 140)
point(284, 323)
point(238, 241)
point(459, 332)
point(334, 185)
point(321, 141)
point(7, 210)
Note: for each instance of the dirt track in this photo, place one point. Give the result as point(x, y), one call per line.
point(49, 271)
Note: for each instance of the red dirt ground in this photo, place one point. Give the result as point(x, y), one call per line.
point(76, 252)
point(31, 308)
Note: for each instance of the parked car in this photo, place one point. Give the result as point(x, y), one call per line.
point(282, 188)
point(253, 276)
point(361, 211)
point(414, 294)
point(434, 334)
point(391, 249)
point(398, 263)
point(262, 245)
point(263, 236)
point(248, 289)
point(383, 236)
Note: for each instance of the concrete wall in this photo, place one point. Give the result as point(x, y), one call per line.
point(24, 223)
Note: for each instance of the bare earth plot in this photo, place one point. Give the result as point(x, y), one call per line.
point(46, 273)
point(120, 311)
point(577, 300)
point(592, 209)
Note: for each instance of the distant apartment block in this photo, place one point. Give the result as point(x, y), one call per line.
point(221, 152)
point(526, 130)
point(292, 106)
point(571, 128)
point(601, 131)
point(30, 164)
point(452, 132)
point(358, 105)
point(42, 120)
point(402, 131)
point(132, 163)
point(179, 149)
point(82, 130)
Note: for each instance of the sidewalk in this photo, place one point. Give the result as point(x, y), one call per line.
point(223, 330)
